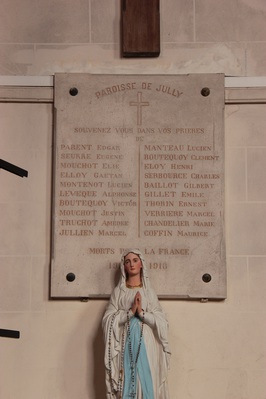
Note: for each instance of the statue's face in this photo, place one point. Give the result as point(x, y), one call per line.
point(132, 264)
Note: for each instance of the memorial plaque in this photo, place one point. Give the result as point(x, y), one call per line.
point(139, 162)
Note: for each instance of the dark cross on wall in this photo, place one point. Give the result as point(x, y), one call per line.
point(140, 28)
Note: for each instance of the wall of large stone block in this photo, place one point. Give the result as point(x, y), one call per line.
point(42, 37)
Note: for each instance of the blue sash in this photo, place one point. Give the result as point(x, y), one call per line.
point(141, 369)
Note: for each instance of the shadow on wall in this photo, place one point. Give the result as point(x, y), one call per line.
point(98, 353)
point(83, 372)
point(99, 369)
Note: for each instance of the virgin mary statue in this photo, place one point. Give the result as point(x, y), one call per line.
point(136, 335)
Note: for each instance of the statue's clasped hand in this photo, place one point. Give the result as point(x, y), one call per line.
point(137, 304)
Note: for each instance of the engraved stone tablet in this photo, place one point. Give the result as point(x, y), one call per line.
point(139, 162)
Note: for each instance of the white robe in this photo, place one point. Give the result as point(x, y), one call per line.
point(155, 336)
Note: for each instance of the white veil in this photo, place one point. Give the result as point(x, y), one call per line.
point(145, 277)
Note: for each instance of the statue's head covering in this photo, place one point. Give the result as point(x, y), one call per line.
point(145, 277)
